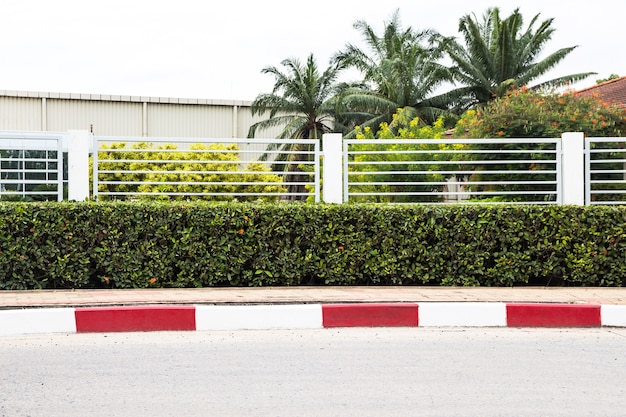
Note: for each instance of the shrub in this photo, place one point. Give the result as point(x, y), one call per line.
point(152, 244)
point(528, 113)
point(204, 172)
point(392, 158)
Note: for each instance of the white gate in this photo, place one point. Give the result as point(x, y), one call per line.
point(32, 165)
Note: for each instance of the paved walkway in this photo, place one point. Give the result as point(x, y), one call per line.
point(308, 295)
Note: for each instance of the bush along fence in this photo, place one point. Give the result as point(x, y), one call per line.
point(196, 244)
point(567, 170)
point(128, 239)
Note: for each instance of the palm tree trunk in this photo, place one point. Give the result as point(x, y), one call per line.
point(295, 189)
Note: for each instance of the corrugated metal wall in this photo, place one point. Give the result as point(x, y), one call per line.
point(20, 113)
point(128, 115)
point(188, 120)
point(245, 120)
point(102, 117)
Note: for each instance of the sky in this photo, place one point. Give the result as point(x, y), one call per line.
point(217, 49)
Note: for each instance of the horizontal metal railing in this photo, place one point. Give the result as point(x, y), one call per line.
point(453, 170)
point(183, 168)
point(31, 166)
point(605, 171)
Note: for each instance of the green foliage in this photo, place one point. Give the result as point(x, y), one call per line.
point(401, 127)
point(399, 69)
point(208, 172)
point(526, 113)
point(303, 104)
point(153, 244)
point(498, 54)
point(42, 246)
point(14, 196)
point(301, 101)
point(610, 77)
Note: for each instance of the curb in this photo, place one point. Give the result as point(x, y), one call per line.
point(307, 316)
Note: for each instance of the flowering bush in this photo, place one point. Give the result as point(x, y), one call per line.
point(528, 113)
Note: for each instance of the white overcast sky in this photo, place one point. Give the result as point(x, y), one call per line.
point(217, 49)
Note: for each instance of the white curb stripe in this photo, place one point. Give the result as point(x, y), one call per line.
point(613, 315)
point(37, 320)
point(289, 316)
point(304, 316)
point(457, 314)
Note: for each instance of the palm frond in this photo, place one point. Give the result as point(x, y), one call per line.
point(498, 54)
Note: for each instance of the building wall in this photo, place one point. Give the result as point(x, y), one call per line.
point(108, 115)
point(20, 113)
point(189, 120)
point(100, 117)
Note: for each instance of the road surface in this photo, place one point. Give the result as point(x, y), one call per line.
point(324, 372)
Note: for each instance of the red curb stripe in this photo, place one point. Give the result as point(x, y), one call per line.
point(135, 318)
point(553, 315)
point(370, 315)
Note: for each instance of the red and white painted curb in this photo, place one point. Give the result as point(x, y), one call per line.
point(307, 316)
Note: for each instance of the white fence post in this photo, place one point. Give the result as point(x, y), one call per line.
point(332, 166)
point(78, 165)
point(573, 168)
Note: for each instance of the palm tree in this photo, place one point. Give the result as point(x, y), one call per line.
point(497, 56)
point(303, 103)
point(400, 70)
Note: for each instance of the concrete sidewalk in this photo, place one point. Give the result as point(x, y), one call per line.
point(308, 295)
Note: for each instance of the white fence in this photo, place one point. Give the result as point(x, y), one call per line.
point(217, 169)
point(567, 170)
point(31, 165)
point(605, 171)
point(453, 170)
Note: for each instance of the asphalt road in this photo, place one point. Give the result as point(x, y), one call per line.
point(326, 372)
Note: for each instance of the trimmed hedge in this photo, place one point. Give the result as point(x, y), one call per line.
point(125, 245)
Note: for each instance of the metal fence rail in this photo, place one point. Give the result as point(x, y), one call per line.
point(31, 166)
point(453, 170)
point(605, 171)
point(213, 169)
point(567, 170)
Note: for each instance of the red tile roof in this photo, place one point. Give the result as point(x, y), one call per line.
point(612, 91)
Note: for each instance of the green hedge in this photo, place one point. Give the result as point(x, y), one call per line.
point(125, 245)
